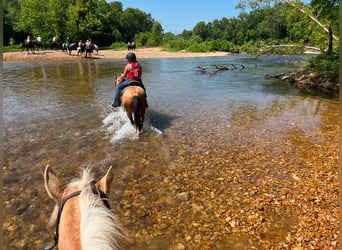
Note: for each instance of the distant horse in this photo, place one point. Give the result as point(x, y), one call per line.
point(39, 46)
point(82, 213)
point(89, 49)
point(96, 48)
point(55, 45)
point(133, 99)
point(130, 46)
point(80, 49)
point(29, 46)
point(72, 46)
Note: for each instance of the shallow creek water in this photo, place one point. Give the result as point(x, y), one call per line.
point(217, 166)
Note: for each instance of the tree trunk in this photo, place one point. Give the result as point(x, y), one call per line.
point(330, 41)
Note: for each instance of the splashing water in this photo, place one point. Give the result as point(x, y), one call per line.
point(118, 124)
point(120, 127)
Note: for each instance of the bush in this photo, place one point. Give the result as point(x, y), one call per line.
point(198, 47)
point(118, 46)
point(220, 45)
point(176, 45)
point(325, 65)
point(13, 48)
point(11, 42)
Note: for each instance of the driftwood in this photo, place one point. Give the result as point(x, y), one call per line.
point(275, 76)
point(215, 68)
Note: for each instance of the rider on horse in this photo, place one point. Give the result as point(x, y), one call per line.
point(67, 45)
point(39, 40)
point(132, 75)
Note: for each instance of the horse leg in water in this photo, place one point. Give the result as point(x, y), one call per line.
point(129, 111)
point(137, 116)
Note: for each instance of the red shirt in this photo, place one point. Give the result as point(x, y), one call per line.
point(135, 72)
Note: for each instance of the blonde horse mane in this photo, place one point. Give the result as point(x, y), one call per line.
point(99, 227)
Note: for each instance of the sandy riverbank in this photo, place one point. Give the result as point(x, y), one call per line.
point(49, 55)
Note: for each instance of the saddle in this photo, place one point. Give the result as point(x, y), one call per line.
point(133, 82)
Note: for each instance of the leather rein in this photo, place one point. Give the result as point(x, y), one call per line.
point(102, 195)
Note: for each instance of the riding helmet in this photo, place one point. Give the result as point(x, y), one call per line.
point(131, 57)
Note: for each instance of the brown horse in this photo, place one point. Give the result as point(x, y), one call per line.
point(82, 212)
point(133, 99)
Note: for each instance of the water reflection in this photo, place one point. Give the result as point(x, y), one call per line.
point(198, 130)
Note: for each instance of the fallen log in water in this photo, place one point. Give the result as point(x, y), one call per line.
point(275, 76)
point(215, 68)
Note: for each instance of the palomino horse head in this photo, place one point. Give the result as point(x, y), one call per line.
point(82, 212)
point(133, 99)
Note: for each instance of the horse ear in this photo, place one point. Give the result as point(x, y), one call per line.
point(104, 183)
point(53, 186)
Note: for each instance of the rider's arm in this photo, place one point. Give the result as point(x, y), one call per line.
point(126, 70)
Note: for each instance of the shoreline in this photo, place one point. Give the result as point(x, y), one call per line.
point(51, 55)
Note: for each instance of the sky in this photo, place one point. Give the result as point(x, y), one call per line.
point(177, 15)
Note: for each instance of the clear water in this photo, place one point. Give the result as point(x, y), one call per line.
point(59, 113)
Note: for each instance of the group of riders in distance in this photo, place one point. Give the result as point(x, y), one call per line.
point(81, 47)
point(31, 45)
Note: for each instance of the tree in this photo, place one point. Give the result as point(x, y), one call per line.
point(34, 17)
point(134, 21)
point(186, 34)
point(10, 18)
point(57, 17)
point(115, 10)
point(201, 30)
point(75, 17)
point(157, 33)
point(328, 10)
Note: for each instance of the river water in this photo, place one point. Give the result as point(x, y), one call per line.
point(59, 114)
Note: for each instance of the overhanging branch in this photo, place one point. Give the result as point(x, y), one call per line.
point(312, 18)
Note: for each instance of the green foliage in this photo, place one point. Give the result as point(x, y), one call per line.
point(201, 30)
point(325, 65)
point(253, 48)
point(12, 48)
point(176, 45)
point(198, 47)
point(220, 45)
point(104, 22)
point(11, 43)
point(134, 21)
point(118, 46)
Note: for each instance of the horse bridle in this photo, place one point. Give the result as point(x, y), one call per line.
point(102, 195)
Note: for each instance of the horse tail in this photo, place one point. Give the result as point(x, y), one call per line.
point(136, 112)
